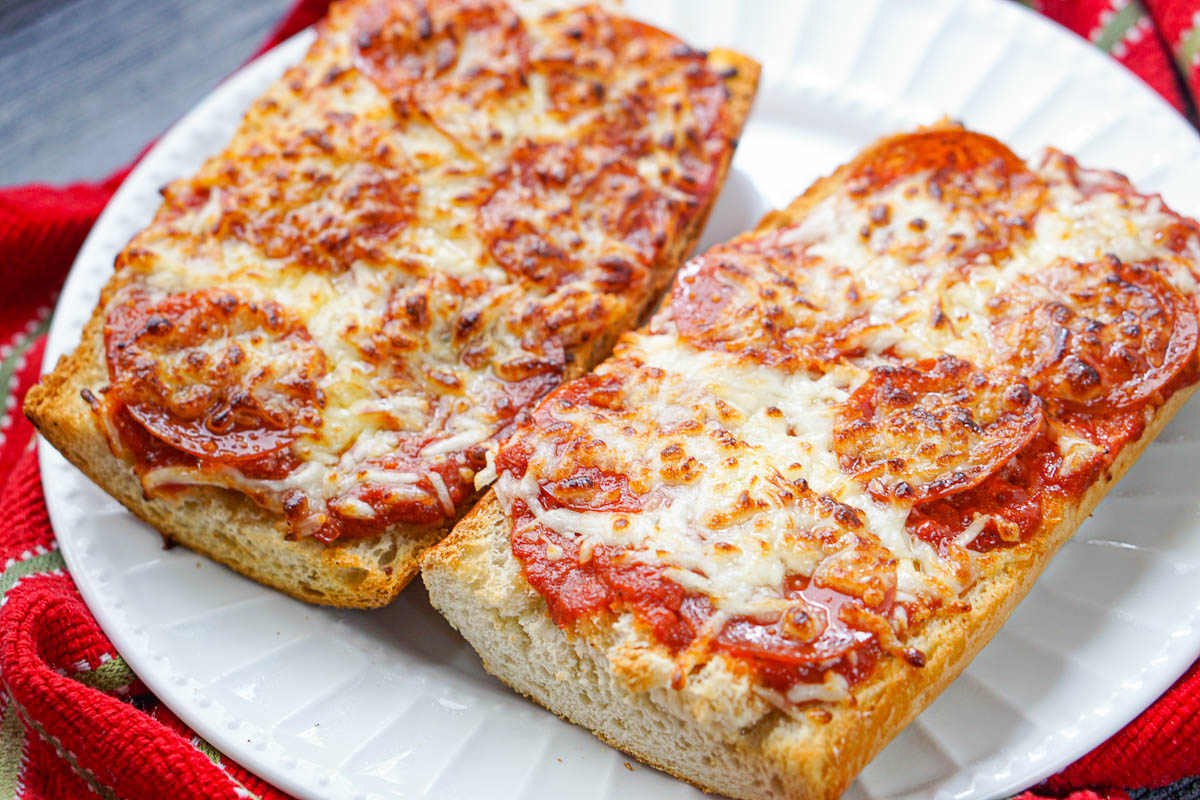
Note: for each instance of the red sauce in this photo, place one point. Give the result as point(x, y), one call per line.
point(271, 466)
point(577, 585)
point(1015, 494)
point(425, 507)
point(574, 589)
point(829, 636)
point(782, 676)
point(1111, 431)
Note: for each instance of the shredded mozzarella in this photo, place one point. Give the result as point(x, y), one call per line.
point(723, 515)
point(371, 229)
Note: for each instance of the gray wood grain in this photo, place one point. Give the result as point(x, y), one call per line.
point(85, 84)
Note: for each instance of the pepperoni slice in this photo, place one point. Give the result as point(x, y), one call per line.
point(545, 213)
point(772, 305)
point(196, 437)
point(585, 474)
point(214, 375)
point(325, 197)
point(536, 204)
point(810, 631)
point(420, 52)
point(986, 193)
point(593, 489)
point(572, 444)
point(934, 428)
point(1101, 334)
point(717, 302)
point(964, 166)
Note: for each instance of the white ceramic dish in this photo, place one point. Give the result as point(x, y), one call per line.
point(392, 703)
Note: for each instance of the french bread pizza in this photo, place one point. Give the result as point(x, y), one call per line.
point(446, 210)
point(760, 538)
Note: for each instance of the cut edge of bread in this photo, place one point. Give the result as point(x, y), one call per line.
point(230, 528)
point(476, 583)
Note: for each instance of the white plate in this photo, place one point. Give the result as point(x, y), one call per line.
point(393, 703)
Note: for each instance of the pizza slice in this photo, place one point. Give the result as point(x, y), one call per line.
point(762, 537)
point(445, 211)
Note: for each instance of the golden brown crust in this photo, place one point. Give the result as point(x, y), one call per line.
point(230, 528)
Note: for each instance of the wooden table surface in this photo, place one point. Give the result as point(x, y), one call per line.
point(84, 84)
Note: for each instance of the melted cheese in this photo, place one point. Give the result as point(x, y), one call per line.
point(732, 450)
point(378, 209)
point(896, 291)
point(740, 564)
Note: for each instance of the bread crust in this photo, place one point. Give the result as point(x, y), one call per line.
point(475, 581)
point(229, 527)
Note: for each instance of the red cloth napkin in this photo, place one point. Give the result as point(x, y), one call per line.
point(74, 719)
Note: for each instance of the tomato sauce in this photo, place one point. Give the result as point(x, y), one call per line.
point(425, 507)
point(576, 583)
point(1018, 479)
point(1013, 495)
point(574, 588)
